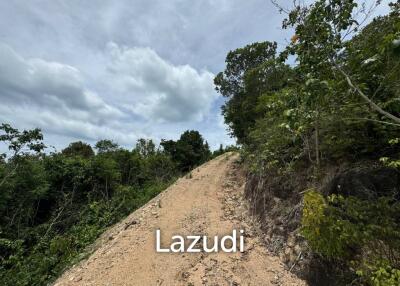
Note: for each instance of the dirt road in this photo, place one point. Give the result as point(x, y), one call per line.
point(209, 202)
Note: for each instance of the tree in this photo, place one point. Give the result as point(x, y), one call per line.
point(145, 147)
point(21, 142)
point(78, 148)
point(189, 151)
point(239, 110)
point(218, 152)
point(320, 45)
point(207, 151)
point(169, 147)
point(106, 146)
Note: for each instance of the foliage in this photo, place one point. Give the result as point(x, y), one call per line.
point(189, 151)
point(382, 275)
point(78, 149)
point(338, 102)
point(52, 206)
point(239, 111)
point(145, 147)
point(21, 142)
point(309, 110)
point(106, 146)
point(364, 233)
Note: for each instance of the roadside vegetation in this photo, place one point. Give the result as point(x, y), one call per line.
point(54, 204)
point(319, 123)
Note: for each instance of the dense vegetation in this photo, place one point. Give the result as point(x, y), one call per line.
point(337, 105)
point(53, 205)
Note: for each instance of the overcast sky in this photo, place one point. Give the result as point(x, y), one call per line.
point(123, 69)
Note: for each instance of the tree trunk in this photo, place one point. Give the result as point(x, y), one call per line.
point(317, 158)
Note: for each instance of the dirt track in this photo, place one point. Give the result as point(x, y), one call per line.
point(210, 202)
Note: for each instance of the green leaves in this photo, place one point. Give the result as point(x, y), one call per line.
point(250, 71)
point(336, 105)
point(80, 149)
point(54, 205)
point(189, 151)
point(106, 146)
point(365, 232)
point(21, 142)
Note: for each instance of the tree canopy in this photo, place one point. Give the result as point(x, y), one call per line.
point(189, 151)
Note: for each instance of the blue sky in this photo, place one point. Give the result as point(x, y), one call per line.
point(123, 70)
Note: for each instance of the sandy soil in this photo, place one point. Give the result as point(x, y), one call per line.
point(209, 202)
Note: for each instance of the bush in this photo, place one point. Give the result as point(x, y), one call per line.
point(364, 234)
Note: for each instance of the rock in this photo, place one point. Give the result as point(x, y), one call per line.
point(297, 249)
point(127, 225)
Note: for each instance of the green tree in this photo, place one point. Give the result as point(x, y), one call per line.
point(189, 151)
point(321, 46)
point(239, 110)
point(78, 148)
point(145, 147)
point(106, 146)
point(21, 142)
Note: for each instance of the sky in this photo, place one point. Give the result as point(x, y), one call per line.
point(123, 70)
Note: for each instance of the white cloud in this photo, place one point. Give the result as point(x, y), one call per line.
point(61, 78)
point(157, 90)
point(143, 87)
point(53, 96)
point(49, 84)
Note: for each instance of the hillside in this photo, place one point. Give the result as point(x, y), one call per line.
point(209, 201)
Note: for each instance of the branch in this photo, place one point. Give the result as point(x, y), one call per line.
point(366, 98)
point(60, 211)
point(372, 120)
point(280, 8)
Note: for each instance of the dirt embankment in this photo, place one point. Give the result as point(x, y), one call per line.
point(209, 202)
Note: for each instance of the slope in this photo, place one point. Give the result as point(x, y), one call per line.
point(207, 202)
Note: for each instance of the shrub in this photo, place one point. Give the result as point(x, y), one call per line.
point(364, 234)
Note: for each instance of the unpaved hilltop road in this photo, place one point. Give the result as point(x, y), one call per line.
point(208, 203)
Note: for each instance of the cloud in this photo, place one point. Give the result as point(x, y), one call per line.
point(122, 69)
point(53, 96)
point(146, 89)
point(49, 84)
point(157, 90)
